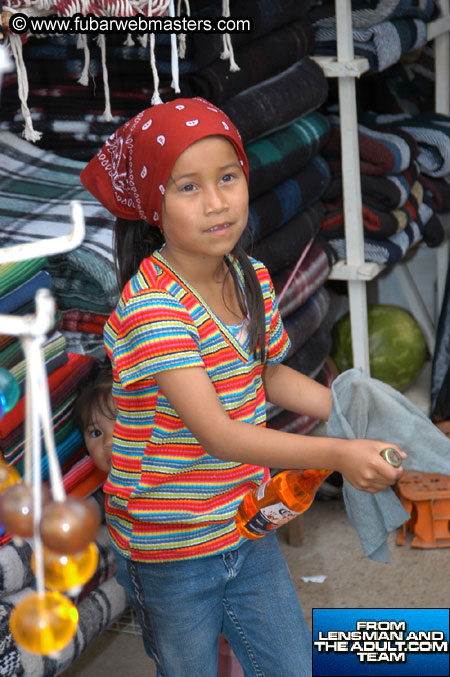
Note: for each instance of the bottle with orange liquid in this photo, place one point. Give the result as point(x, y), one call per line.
point(277, 501)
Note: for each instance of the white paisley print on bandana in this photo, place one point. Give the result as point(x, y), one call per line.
point(114, 146)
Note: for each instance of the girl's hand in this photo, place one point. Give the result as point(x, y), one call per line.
point(362, 465)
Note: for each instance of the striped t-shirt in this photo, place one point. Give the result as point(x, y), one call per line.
point(166, 497)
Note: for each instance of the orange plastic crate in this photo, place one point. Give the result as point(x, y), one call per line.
point(426, 496)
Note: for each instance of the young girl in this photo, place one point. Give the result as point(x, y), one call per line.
point(196, 343)
point(94, 415)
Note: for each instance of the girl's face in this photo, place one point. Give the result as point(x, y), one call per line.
point(98, 436)
point(205, 207)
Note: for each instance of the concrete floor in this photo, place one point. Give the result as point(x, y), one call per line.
point(413, 578)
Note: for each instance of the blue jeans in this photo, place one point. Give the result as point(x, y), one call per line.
point(246, 593)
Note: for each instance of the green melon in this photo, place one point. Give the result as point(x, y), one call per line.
point(397, 348)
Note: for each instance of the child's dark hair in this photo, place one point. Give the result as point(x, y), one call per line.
point(136, 240)
point(94, 396)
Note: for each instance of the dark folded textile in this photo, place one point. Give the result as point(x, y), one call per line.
point(283, 247)
point(279, 101)
point(266, 15)
point(431, 131)
point(378, 223)
point(311, 275)
point(284, 152)
point(393, 248)
point(437, 229)
point(389, 150)
point(313, 353)
point(302, 323)
point(387, 191)
point(286, 46)
point(439, 192)
point(275, 207)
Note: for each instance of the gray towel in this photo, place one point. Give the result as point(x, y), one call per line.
point(364, 407)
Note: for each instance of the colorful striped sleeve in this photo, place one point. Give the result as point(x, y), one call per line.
point(154, 333)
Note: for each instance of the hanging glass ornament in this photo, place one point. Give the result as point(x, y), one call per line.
point(69, 526)
point(8, 475)
point(16, 509)
point(64, 572)
point(44, 623)
point(9, 392)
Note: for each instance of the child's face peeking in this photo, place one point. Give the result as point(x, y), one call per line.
point(98, 435)
point(205, 208)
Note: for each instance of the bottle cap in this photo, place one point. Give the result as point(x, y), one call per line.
point(391, 456)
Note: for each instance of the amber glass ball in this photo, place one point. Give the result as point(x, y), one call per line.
point(16, 509)
point(69, 526)
point(64, 572)
point(44, 623)
point(8, 476)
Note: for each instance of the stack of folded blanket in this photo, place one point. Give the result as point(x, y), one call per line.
point(383, 31)
point(70, 114)
point(404, 182)
point(288, 176)
point(83, 281)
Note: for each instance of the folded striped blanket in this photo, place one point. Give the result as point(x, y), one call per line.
point(387, 150)
point(12, 275)
point(394, 248)
point(383, 44)
point(63, 386)
point(309, 358)
point(282, 153)
point(55, 355)
point(284, 246)
point(303, 322)
point(311, 275)
point(25, 292)
point(83, 477)
point(77, 320)
point(378, 223)
point(382, 191)
point(431, 132)
point(275, 207)
point(97, 610)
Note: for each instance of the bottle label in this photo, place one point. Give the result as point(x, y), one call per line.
point(269, 518)
point(261, 490)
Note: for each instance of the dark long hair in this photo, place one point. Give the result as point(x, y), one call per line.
point(136, 240)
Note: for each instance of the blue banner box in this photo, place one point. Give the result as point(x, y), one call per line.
point(360, 642)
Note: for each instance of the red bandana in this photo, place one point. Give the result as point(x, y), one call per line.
point(130, 172)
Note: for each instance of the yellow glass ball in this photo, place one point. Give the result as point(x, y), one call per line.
point(63, 572)
point(8, 475)
point(43, 623)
